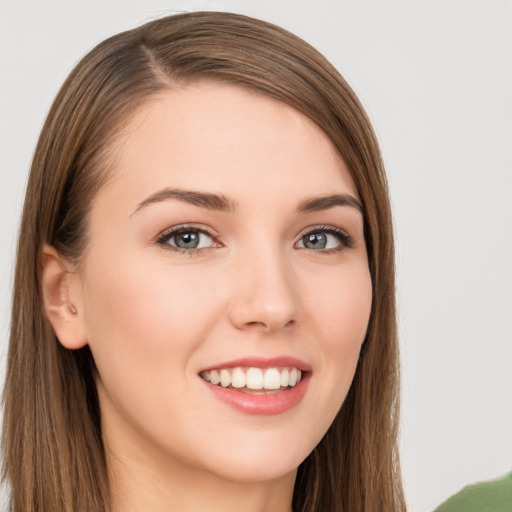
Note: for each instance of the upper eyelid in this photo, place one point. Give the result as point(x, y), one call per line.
point(344, 237)
point(168, 232)
point(323, 227)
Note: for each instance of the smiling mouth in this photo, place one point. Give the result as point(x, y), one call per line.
point(254, 380)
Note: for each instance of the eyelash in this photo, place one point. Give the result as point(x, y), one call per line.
point(346, 241)
point(166, 235)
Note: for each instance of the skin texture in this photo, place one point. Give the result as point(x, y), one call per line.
point(155, 317)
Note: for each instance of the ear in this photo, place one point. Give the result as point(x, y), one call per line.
point(62, 299)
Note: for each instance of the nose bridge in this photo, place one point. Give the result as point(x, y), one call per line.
point(264, 296)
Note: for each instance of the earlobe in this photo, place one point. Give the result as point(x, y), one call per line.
point(61, 299)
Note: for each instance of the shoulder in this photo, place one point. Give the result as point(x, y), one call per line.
point(492, 496)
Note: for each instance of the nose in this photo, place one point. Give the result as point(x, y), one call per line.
point(264, 297)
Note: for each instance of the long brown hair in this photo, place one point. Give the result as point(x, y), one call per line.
point(53, 453)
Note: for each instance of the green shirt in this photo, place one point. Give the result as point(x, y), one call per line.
point(493, 496)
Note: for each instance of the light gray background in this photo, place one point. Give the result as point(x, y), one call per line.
point(436, 78)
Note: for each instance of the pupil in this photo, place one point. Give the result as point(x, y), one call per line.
point(188, 240)
point(315, 241)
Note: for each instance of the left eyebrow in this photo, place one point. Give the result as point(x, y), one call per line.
point(315, 204)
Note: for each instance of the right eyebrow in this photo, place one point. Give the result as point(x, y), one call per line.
point(203, 199)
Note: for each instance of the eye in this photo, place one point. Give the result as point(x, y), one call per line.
point(186, 239)
point(326, 239)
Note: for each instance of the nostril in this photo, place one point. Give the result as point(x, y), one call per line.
point(269, 325)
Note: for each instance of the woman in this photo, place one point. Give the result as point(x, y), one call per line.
point(204, 297)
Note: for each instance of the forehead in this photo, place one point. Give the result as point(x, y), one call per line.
point(222, 138)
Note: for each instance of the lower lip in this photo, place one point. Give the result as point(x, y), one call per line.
point(265, 404)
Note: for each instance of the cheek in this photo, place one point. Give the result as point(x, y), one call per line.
point(341, 308)
point(340, 315)
point(143, 321)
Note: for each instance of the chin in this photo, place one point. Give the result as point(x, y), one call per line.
point(250, 471)
point(259, 459)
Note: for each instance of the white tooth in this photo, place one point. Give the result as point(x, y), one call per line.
point(285, 374)
point(299, 376)
point(272, 379)
point(293, 377)
point(214, 377)
point(254, 378)
point(238, 378)
point(206, 376)
point(225, 378)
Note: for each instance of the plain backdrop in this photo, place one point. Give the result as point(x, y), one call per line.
point(436, 79)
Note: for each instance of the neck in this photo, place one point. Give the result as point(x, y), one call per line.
point(139, 491)
point(144, 478)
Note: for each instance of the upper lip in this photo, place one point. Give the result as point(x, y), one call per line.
point(262, 362)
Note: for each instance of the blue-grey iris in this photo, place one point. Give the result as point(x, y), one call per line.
point(187, 240)
point(315, 240)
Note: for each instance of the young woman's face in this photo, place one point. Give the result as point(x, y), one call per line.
point(228, 244)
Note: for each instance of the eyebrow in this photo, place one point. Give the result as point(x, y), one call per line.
point(203, 199)
point(222, 203)
point(315, 204)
